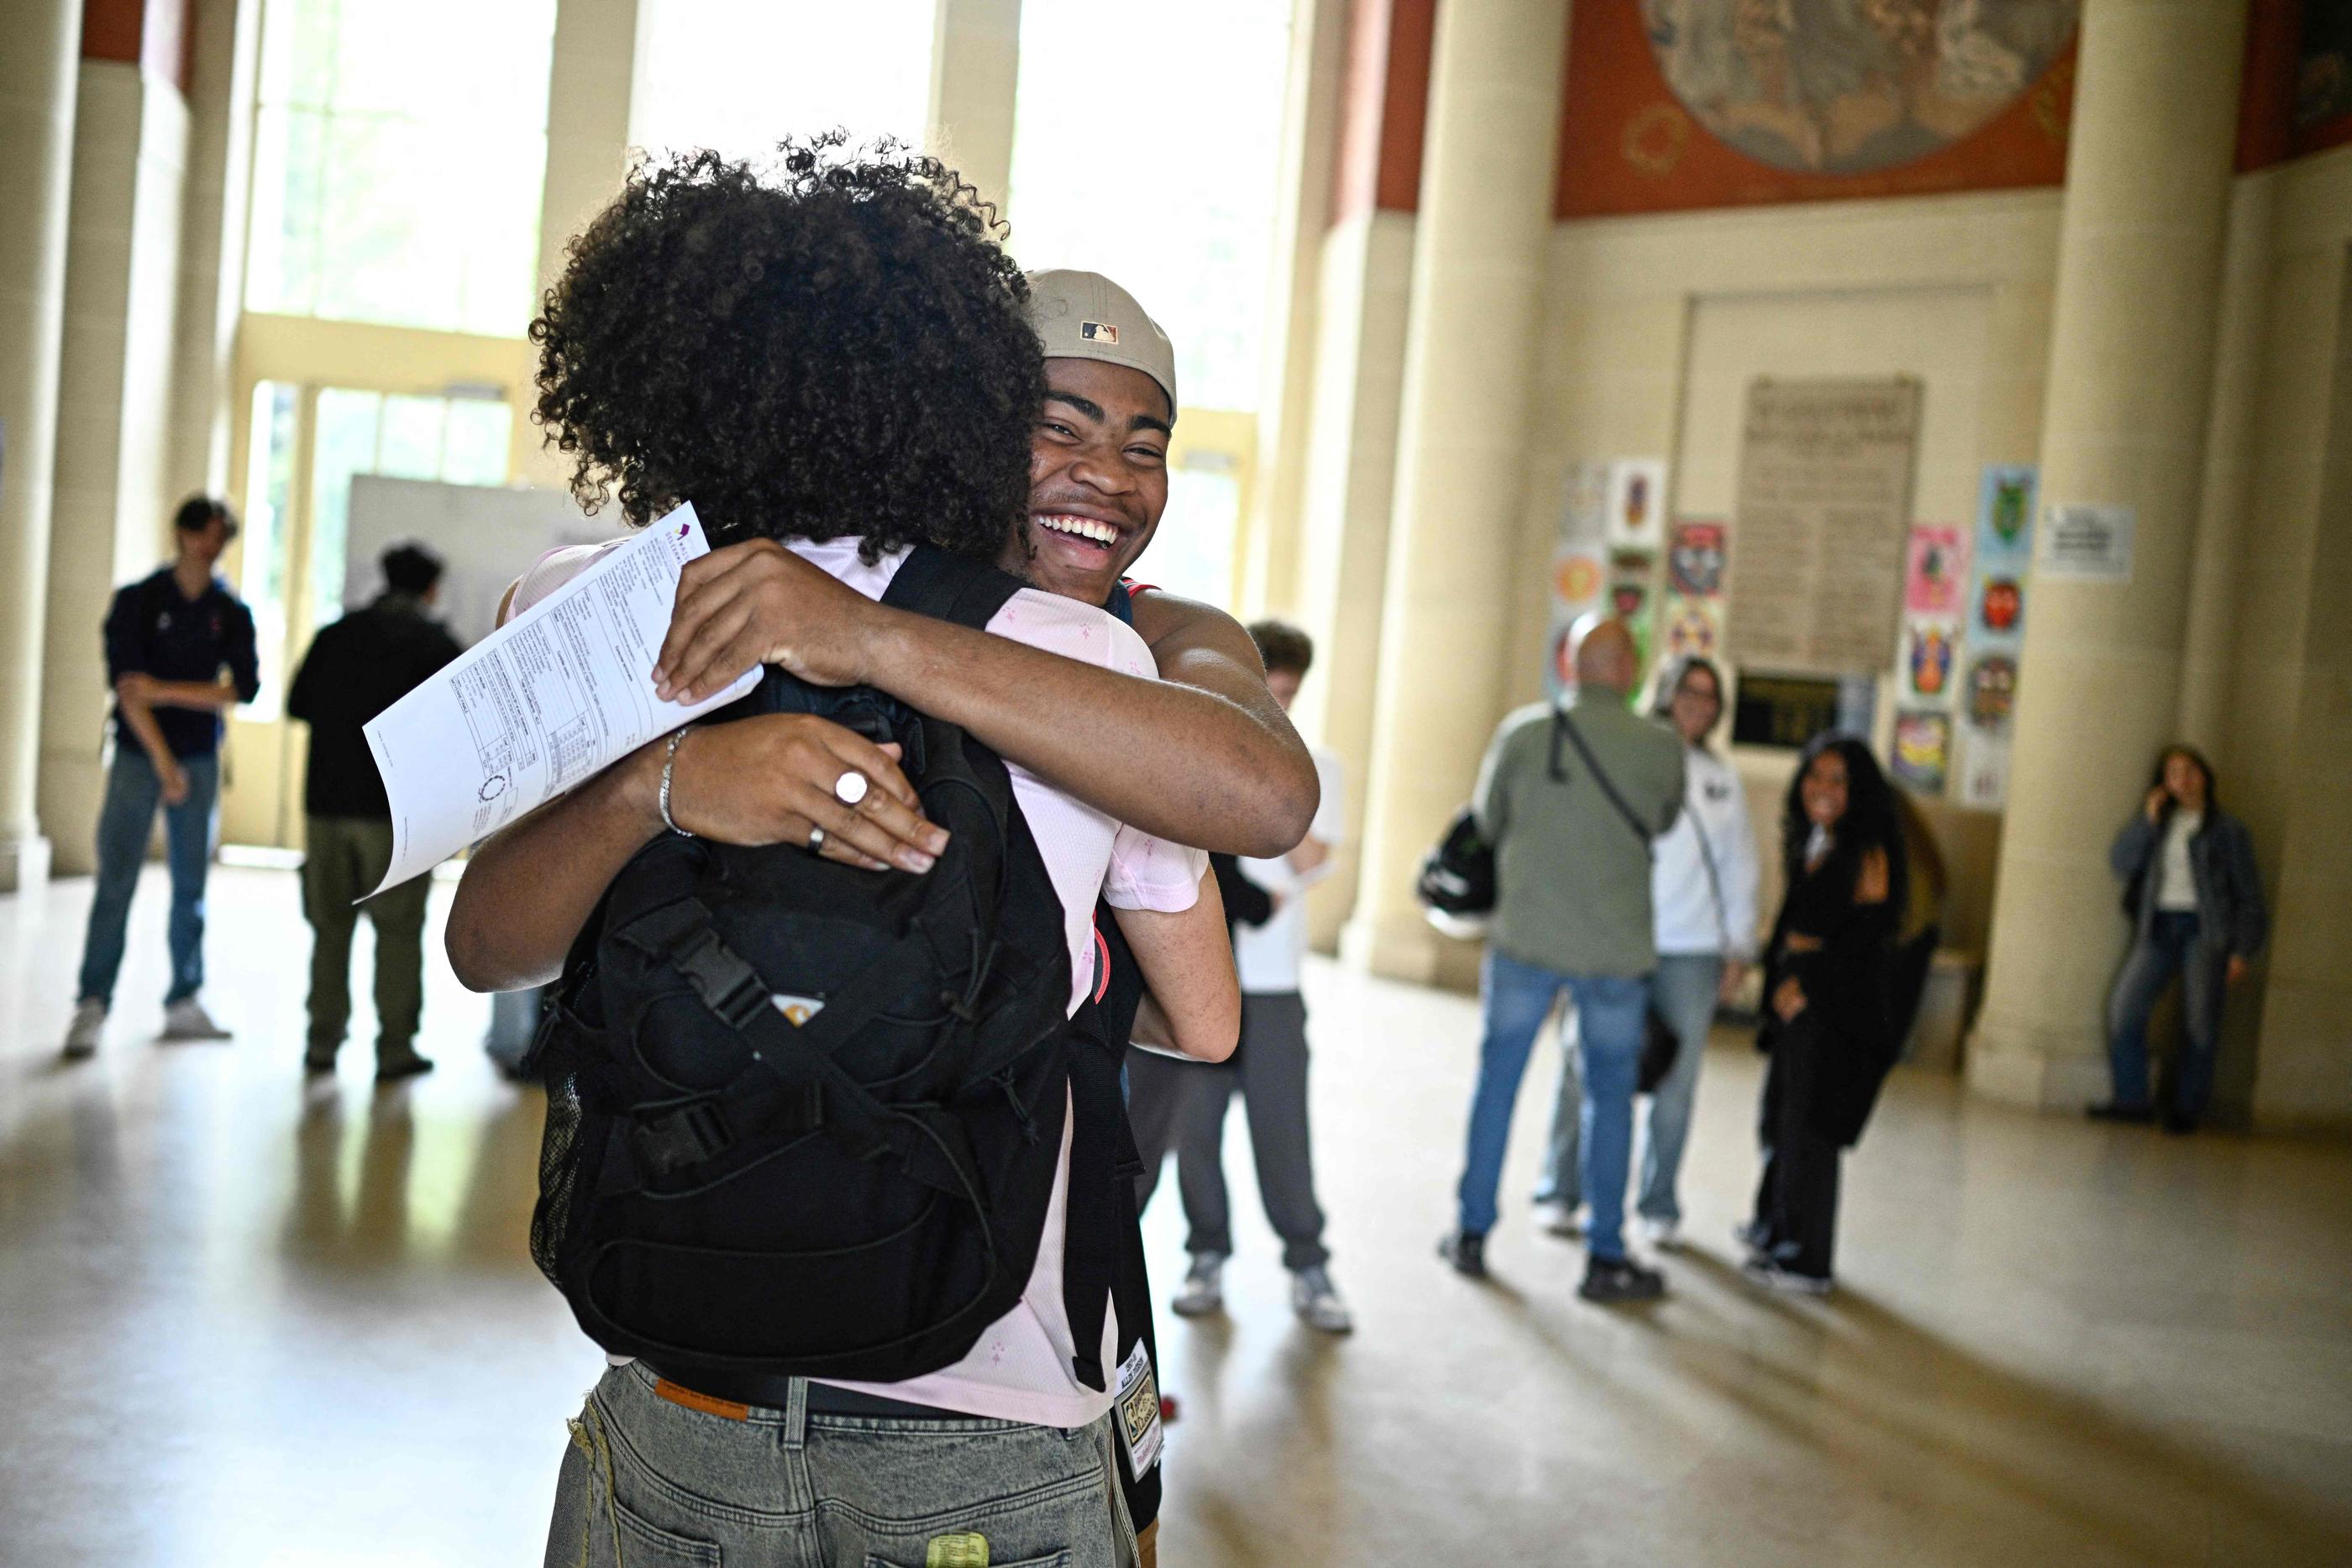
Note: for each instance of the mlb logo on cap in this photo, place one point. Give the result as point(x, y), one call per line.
point(1098, 332)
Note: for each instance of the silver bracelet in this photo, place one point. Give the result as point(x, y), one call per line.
point(669, 761)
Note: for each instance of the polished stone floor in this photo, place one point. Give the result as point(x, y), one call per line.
point(248, 1321)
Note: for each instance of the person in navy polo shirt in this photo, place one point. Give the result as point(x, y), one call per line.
point(179, 651)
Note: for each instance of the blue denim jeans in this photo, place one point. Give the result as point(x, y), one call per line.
point(133, 790)
point(1683, 991)
point(1608, 1010)
point(2170, 949)
point(756, 1487)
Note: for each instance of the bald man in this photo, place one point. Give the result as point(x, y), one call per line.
point(1570, 798)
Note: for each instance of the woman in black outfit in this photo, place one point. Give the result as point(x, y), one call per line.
point(1828, 984)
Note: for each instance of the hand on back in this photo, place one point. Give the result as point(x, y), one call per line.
point(758, 604)
point(773, 777)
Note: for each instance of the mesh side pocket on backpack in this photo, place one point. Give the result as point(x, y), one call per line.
point(570, 1144)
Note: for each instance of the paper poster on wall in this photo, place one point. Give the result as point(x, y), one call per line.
point(1997, 608)
point(2005, 518)
point(1694, 560)
point(1637, 503)
point(1632, 595)
point(1688, 629)
point(1579, 578)
point(1931, 652)
point(1817, 540)
point(1991, 692)
point(1938, 573)
point(1584, 503)
point(2089, 542)
point(1984, 773)
point(1923, 748)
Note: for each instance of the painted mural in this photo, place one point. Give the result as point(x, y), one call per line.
point(1678, 104)
point(1849, 87)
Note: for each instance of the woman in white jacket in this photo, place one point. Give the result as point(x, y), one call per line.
point(1703, 890)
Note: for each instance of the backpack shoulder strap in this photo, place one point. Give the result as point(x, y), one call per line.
point(931, 581)
point(1641, 831)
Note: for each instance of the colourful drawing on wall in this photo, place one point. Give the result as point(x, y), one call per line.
point(1579, 580)
point(1992, 691)
point(1929, 651)
point(2005, 498)
point(1637, 499)
point(1937, 571)
point(1923, 749)
point(1576, 577)
point(1691, 629)
point(1694, 560)
point(2000, 608)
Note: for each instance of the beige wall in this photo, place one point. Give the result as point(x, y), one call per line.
point(114, 477)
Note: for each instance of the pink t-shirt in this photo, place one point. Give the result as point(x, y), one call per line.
point(1019, 1370)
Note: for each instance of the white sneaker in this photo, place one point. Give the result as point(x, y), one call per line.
point(1665, 1235)
point(1202, 1294)
point(1316, 1302)
point(82, 1034)
point(186, 1019)
point(1561, 1221)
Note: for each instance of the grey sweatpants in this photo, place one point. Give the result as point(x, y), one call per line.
point(1182, 1104)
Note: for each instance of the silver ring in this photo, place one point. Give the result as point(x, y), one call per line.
point(817, 840)
point(851, 786)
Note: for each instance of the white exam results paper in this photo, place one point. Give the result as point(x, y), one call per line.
point(556, 695)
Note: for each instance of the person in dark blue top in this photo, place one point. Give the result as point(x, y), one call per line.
point(179, 653)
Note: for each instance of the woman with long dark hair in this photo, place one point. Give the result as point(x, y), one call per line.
point(2194, 896)
point(1828, 1023)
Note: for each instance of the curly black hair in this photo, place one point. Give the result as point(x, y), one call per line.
point(835, 346)
point(1870, 821)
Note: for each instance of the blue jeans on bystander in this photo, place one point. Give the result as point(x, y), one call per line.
point(1608, 1010)
point(1683, 992)
point(133, 790)
point(2170, 949)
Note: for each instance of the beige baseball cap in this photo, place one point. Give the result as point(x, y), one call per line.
point(1085, 315)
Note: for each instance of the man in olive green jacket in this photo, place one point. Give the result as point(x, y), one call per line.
point(1570, 798)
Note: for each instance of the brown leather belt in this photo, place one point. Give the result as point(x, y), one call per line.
point(735, 1394)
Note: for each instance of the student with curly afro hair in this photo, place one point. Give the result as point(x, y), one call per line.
point(832, 361)
point(834, 348)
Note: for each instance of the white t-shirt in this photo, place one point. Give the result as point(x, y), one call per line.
point(1694, 911)
point(1019, 1370)
point(1267, 957)
point(2175, 883)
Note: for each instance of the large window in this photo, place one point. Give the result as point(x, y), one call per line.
point(1145, 146)
point(398, 156)
point(740, 75)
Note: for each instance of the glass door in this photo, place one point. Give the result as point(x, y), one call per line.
point(306, 444)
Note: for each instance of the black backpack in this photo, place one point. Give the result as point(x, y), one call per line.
point(859, 1195)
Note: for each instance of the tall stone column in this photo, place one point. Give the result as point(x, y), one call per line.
point(39, 40)
point(592, 77)
point(2124, 423)
point(975, 74)
point(1470, 363)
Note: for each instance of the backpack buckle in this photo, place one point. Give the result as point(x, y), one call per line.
point(728, 985)
point(686, 1136)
